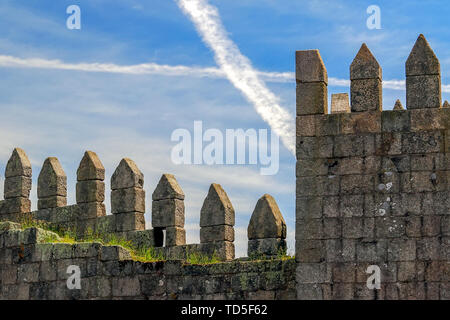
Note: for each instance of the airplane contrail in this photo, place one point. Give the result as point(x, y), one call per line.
point(239, 70)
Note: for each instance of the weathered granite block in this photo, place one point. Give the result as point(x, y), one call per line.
point(19, 186)
point(312, 98)
point(176, 236)
point(217, 208)
point(90, 191)
point(18, 165)
point(52, 180)
point(340, 103)
point(52, 202)
point(129, 221)
point(127, 175)
point(217, 233)
point(90, 168)
point(110, 253)
point(267, 220)
point(127, 200)
point(168, 188)
point(168, 213)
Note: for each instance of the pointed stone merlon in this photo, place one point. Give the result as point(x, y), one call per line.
point(446, 104)
point(365, 86)
point(267, 229)
point(128, 196)
point(423, 77)
point(168, 212)
point(17, 184)
point(312, 81)
point(398, 105)
point(217, 219)
point(340, 103)
point(52, 185)
point(90, 190)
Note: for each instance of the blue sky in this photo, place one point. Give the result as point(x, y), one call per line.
point(55, 112)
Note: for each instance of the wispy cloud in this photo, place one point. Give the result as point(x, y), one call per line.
point(167, 70)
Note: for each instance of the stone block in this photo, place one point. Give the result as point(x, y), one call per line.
point(366, 95)
point(130, 221)
point(18, 186)
point(402, 250)
point(217, 233)
point(266, 220)
point(340, 103)
point(357, 184)
point(314, 273)
point(268, 246)
point(217, 208)
point(327, 124)
point(428, 249)
point(332, 228)
point(52, 202)
point(309, 229)
point(356, 123)
point(168, 188)
point(127, 200)
point(395, 121)
point(18, 165)
point(90, 191)
point(176, 236)
point(312, 98)
point(127, 175)
point(309, 251)
point(423, 91)
point(314, 147)
point(311, 167)
point(351, 205)
point(309, 207)
point(309, 67)
point(15, 205)
point(388, 143)
point(422, 142)
point(111, 253)
point(52, 180)
point(90, 168)
point(349, 146)
point(168, 213)
point(306, 125)
point(91, 210)
point(224, 250)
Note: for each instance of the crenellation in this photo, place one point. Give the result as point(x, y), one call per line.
point(423, 77)
point(312, 80)
point(217, 221)
point(267, 229)
point(366, 78)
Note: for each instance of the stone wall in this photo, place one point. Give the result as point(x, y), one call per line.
point(30, 269)
point(373, 186)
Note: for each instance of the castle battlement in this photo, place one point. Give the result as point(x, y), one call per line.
point(372, 185)
point(217, 217)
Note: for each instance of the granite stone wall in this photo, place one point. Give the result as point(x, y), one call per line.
point(31, 269)
point(373, 186)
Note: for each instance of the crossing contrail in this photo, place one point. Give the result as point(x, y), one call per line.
point(239, 70)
